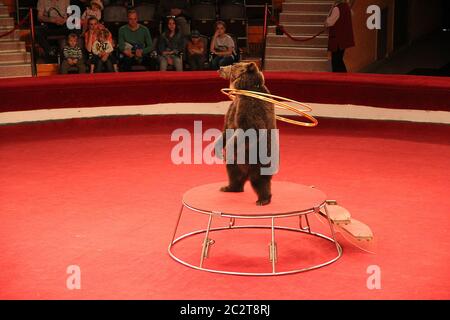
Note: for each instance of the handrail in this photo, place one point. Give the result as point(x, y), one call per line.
point(32, 34)
point(29, 18)
point(263, 56)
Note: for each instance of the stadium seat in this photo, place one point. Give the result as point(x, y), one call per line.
point(235, 17)
point(203, 18)
point(114, 17)
point(146, 15)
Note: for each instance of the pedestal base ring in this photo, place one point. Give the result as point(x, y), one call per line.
point(339, 250)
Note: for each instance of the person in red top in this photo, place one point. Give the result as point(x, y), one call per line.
point(340, 35)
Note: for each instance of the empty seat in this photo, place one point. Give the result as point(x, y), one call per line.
point(203, 11)
point(194, 2)
point(232, 12)
point(139, 2)
point(146, 12)
point(114, 17)
point(234, 16)
point(115, 14)
point(203, 18)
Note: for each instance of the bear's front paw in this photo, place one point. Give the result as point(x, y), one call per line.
point(230, 189)
point(263, 202)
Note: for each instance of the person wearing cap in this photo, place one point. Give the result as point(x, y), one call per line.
point(94, 10)
point(196, 51)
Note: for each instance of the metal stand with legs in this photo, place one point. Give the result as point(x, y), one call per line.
point(304, 227)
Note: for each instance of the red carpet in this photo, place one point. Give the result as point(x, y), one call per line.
point(93, 90)
point(104, 195)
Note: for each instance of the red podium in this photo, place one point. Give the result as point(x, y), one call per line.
point(289, 200)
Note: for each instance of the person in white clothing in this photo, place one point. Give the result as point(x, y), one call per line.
point(102, 50)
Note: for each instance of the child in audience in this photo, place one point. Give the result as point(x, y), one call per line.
point(222, 47)
point(102, 51)
point(196, 51)
point(73, 56)
point(94, 10)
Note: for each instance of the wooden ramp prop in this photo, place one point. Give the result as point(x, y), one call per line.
point(355, 231)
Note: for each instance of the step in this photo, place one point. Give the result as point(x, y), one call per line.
point(14, 57)
point(299, 29)
point(284, 41)
point(306, 65)
point(47, 69)
point(12, 46)
point(15, 70)
point(15, 35)
point(4, 11)
point(307, 6)
point(300, 18)
point(7, 21)
point(287, 52)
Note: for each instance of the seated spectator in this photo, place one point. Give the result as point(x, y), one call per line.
point(222, 47)
point(53, 15)
point(135, 43)
point(178, 9)
point(196, 51)
point(94, 10)
point(73, 57)
point(90, 36)
point(170, 47)
point(103, 55)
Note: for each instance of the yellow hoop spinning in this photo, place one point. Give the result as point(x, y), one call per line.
point(231, 93)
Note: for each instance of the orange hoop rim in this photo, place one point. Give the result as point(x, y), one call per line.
point(231, 93)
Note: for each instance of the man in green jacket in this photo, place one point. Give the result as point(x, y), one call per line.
point(135, 43)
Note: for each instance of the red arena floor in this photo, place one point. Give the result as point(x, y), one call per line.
point(103, 194)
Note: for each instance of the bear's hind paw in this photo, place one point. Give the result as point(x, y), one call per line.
point(230, 189)
point(263, 202)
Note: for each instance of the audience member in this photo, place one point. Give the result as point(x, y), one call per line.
point(53, 15)
point(94, 10)
point(103, 55)
point(196, 51)
point(222, 47)
point(339, 23)
point(170, 46)
point(178, 9)
point(135, 43)
point(72, 56)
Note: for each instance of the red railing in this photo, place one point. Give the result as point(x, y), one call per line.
point(27, 18)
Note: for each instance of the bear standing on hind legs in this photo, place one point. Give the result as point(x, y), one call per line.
point(248, 113)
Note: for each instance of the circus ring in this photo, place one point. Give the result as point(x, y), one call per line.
point(96, 187)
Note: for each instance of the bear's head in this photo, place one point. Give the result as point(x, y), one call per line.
point(244, 76)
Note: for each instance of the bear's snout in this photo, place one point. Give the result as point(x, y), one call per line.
point(225, 72)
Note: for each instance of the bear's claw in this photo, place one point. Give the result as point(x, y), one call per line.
point(263, 202)
point(230, 189)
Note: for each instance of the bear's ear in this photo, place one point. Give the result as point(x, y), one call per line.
point(252, 67)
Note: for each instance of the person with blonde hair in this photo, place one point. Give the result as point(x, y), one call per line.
point(102, 51)
point(340, 33)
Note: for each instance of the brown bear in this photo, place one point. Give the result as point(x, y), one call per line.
point(248, 113)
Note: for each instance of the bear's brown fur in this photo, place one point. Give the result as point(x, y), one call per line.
point(248, 113)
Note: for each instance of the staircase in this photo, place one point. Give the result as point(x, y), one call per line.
point(301, 19)
point(15, 61)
